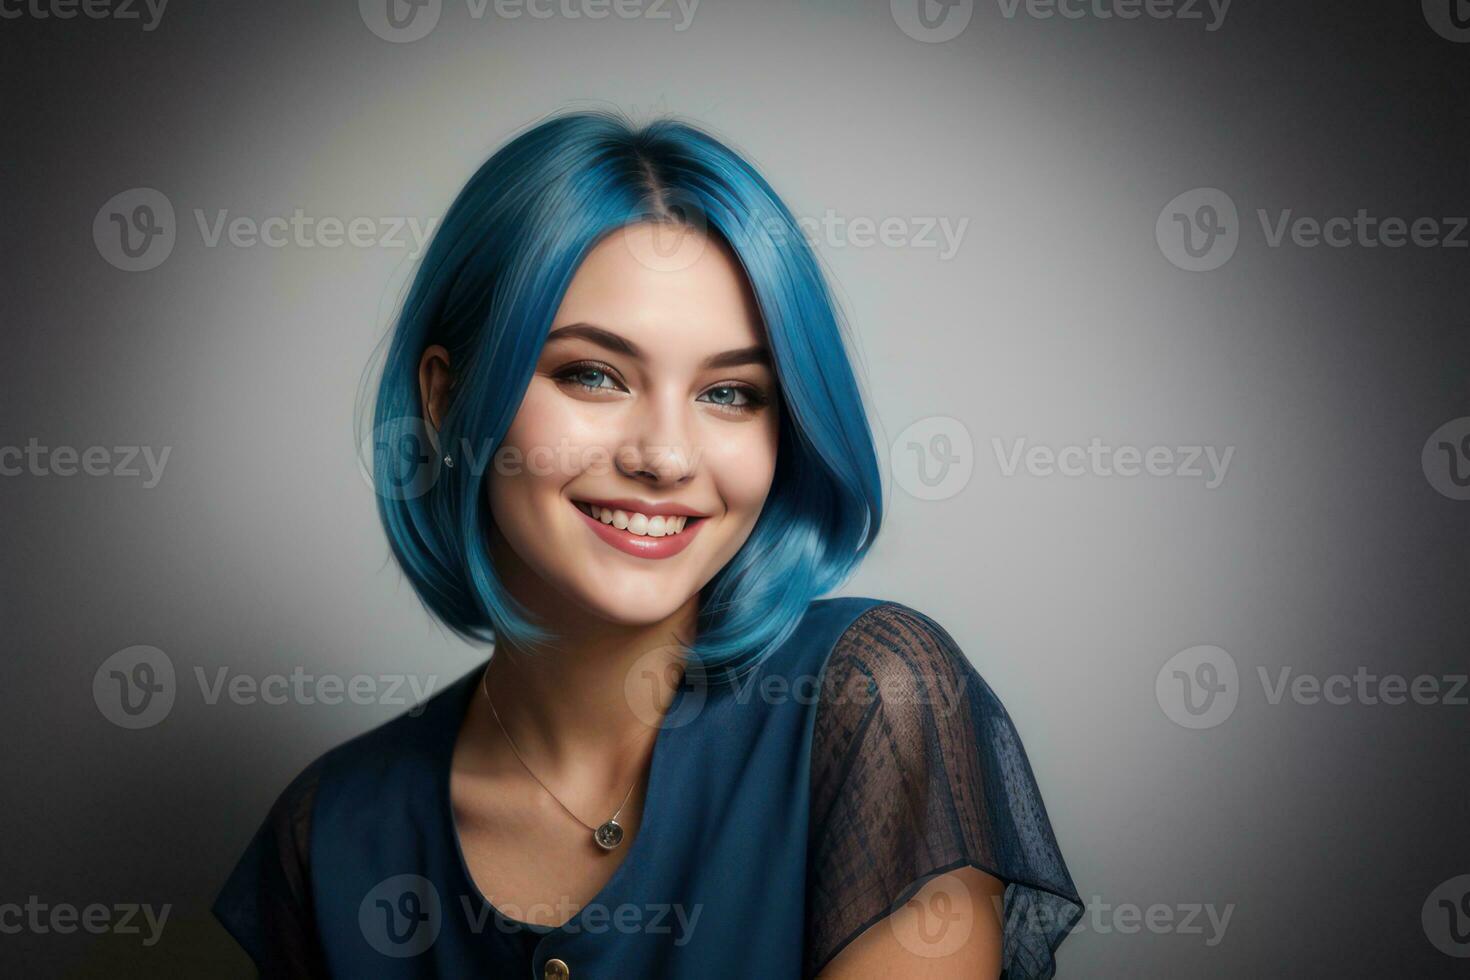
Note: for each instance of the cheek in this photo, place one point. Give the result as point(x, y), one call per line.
point(538, 455)
point(742, 461)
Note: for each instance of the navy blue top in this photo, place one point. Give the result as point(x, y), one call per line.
point(784, 815)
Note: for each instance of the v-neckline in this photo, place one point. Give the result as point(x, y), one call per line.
point(648, 821)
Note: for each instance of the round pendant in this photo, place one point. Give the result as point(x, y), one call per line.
point(609, 835)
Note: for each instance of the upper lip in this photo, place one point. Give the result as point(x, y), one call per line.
point(648, 508)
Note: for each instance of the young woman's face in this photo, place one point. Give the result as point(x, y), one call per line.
point(654, 403)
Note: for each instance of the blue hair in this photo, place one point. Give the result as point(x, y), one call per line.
point(488, 288)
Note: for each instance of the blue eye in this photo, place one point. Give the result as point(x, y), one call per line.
point(736, 399)
point(727, 395)
point(590, 377)
point(732, 399)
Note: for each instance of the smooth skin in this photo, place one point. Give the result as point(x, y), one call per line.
point(656, 382)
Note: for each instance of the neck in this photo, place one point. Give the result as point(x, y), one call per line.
point(587, 706)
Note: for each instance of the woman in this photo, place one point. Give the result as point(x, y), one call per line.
point(617, 434)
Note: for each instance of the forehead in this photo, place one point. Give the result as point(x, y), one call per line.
point(661, 285)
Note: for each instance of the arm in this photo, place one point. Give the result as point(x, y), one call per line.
point(929, 849)
point(266, 904)
point(950, 929)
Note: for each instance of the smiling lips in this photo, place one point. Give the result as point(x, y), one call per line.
point(643, 530)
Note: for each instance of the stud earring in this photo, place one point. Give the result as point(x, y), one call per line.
point(448, 461)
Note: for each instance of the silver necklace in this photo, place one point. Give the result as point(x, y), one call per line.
point(609, 834)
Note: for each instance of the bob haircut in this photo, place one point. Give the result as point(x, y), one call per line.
point(488, 288)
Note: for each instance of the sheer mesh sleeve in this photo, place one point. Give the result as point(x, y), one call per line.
point(266, 902)
point(918, 770)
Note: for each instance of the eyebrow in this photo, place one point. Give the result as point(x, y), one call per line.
point(602, 337)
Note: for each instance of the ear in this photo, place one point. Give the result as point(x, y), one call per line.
point(434, 382)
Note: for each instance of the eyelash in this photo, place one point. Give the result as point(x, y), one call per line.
point(754, 397)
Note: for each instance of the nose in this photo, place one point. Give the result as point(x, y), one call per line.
point(657, 447)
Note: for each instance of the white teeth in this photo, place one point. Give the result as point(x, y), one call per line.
point(657, 526)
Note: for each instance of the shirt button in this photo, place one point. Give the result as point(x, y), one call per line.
point(556, 970)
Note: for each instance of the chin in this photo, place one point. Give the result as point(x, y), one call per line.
point(628, 603)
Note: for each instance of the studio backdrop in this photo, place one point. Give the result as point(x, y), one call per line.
point(1159, 310)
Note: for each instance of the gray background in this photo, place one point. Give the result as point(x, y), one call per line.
point(1325, 548)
